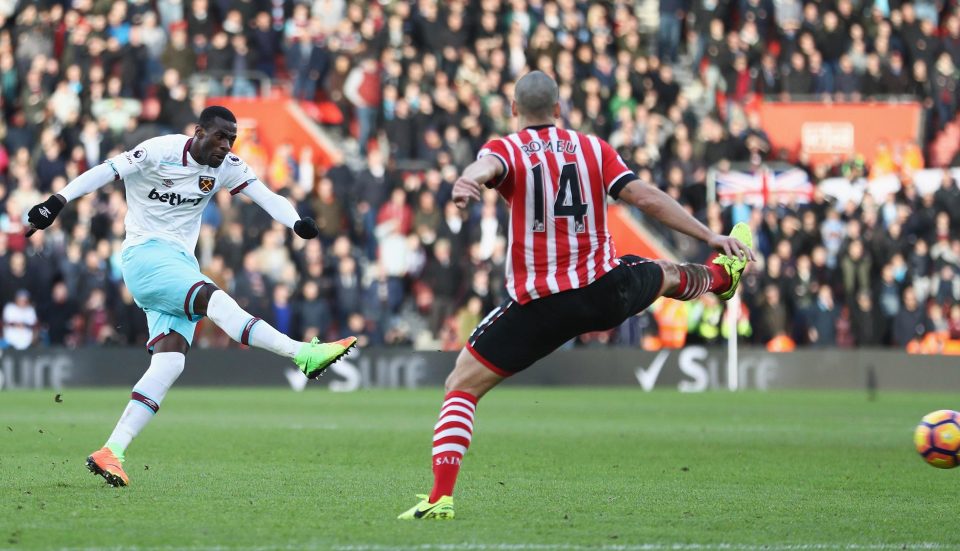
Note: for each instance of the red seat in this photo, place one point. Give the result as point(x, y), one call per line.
point(323, 112)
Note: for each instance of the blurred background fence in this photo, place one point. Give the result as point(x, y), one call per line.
point(692, 369)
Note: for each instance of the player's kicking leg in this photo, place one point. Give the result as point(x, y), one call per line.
point(313, 357)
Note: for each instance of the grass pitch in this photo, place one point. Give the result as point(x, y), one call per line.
point(548, 469)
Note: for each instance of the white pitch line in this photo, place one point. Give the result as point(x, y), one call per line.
point(537, 547)
point(645, 547)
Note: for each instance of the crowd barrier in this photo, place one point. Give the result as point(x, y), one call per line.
point(691, 369)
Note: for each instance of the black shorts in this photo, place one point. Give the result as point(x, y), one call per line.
point(514, 336)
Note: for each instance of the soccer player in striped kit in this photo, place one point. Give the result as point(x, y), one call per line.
point(563, 275)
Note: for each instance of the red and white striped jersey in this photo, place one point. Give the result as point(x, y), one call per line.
point(556, 182)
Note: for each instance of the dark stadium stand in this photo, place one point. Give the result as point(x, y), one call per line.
point(409, 90)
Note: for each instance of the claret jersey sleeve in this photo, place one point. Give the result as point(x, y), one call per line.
point(236, 174)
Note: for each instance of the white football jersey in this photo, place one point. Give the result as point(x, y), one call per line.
point(167, 189)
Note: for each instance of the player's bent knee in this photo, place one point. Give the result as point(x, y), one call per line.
point(471, 376)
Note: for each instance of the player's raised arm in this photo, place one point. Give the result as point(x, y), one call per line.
point(477, 174)
point(116, 168)
point(280, 209)
point(651, 200)
point(42, 215)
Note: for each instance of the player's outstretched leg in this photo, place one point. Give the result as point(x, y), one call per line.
point(311, 357)
point(721, 276)
point(452, 434)
point(144, 403)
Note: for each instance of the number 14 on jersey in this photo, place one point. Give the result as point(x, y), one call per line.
point(569, 200)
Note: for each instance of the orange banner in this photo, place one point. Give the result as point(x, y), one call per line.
point(276, 124)
point(835, 132)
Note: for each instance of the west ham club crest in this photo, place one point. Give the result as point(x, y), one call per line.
point(206, 183)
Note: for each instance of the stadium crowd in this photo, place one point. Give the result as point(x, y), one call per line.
point(422, 86)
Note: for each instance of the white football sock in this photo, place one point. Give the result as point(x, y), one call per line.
point(145, 399)
point(246, 329)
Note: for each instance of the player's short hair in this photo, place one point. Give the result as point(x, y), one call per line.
point(213, 112)
point(536, 94)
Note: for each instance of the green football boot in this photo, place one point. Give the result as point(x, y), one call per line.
point(442, 509)
point(733, 264)
point(314, 357)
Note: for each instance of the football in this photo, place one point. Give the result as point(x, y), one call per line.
point(938, 438)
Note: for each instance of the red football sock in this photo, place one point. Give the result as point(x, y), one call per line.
point(451, 438)
point(720, 279)
point(695, 280)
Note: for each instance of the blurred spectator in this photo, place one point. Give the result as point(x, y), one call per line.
point(281, 310)
point(947, 198)
point(945, 286)
point(823, 320)
point(347, 288)
point(178, 54)
point(309, 61)
point(265, 40)
point(251, 286)
point(358, 326)
point(869, 329)
point(131, 325)
point(272, 258)
point(19, 321)
point(14, 277)
point(443, 276)
point(362, 88)
point(467, 319)
point(314, 316)
point(856, 270)
point(98, 329)
point(953, 324)
point(909, 323)
point(220, 54)
point(243, 61)
point(772, 319)
point(707, 317)
point(328, 211)
point(672, 14)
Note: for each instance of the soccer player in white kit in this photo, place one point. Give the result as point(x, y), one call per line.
point(169, 181)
